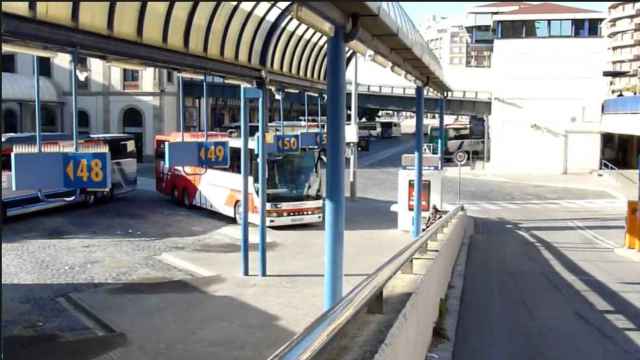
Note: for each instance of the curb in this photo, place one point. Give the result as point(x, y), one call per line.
point(444, 351)
point(184, 265)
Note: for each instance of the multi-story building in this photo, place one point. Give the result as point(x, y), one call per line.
point(548, 89)
point(479, 26)
point(122, 98)
point(622, 28)
point(447, 39)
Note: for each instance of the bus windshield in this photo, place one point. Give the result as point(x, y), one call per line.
point(293, 177)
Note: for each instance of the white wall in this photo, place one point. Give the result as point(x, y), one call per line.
point(554, 84)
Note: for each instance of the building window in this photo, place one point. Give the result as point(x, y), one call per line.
point(130, 79)
point(169, 77)
point(512, 29)
point(49, 119)
point(594, 27)
point(9, 121)
point(83, 122)
point(8, 63)
point(44, 66)
point(560, 28)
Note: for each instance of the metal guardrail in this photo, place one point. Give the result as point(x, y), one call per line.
point(613, 170)
point(308, 343)
point(411, 91)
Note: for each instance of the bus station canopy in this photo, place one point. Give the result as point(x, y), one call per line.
point(281, 41)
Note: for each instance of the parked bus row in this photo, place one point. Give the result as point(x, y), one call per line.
point(123, 172)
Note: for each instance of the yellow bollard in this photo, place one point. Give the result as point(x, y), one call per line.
point(632, 238)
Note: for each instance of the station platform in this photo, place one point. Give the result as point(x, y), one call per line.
point(214, 312)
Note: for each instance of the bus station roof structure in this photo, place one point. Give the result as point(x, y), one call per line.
point(285, 42)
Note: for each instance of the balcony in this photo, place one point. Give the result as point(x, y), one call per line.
point(619, 14)
point(622, 105)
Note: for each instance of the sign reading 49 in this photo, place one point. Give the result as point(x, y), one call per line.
point(288, 143)
point(87, 171)
point(214, 154)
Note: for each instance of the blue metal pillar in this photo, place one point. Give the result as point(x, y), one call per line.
point(74, 98)
point(244, 202)
point(306, 113)
point(441, 144)
point(282, 113)
point(36, 95)
point(205, 105)
point(181, 106)
point(334, 202)
point(319, 110)
point(262, 174)
point(417, 184)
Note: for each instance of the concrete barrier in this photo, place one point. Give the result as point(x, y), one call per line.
point(411, 335)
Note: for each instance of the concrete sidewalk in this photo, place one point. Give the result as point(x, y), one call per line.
point(592, 181)
point(224, 315)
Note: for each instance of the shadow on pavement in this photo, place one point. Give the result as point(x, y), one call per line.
point(157, 320)
point(141, 215)
point(516, 304)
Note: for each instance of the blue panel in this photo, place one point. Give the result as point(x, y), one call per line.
point(87, 170)
point(313, 139)
point(182, 153)
point(34, 171)
point(287, 143)
point(39, 171)
point(622, 105)
point(214, 154)
point(417, 210)
point(252, 93)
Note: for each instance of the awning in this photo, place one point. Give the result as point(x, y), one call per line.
point(238, 39)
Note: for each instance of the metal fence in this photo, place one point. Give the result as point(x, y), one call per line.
point(411, 91)
point(367, 294)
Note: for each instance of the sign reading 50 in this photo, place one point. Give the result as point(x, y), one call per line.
point(288, 143)
point(214, 154)
point(87, 170)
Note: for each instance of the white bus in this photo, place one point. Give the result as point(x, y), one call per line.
point(294, 186)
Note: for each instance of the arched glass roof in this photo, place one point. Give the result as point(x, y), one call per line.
point(242, 38)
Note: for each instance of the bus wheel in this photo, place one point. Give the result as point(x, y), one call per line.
point(175, 195)
point(185, 199)
point(237, 213)
point(89, 198)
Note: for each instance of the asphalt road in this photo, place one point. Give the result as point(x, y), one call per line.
point(53, 253)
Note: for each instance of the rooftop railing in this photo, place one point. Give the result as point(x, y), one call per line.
point(368, 293)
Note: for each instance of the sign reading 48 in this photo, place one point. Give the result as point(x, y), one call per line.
point(87, 170)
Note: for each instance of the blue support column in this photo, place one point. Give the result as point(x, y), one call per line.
point(262, 244)
point(74, 98)
point(441, 143)
point(417, 185)
point(36, 96)
point(306, 113)
point(181, 106)
point(244, 203)
point(334, 202)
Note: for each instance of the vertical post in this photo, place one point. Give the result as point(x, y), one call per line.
point(319, 111)
point(281, 113)
point(485, 149)
point(441, 144)
point(417, 184)
point(205, 105)
point(36, 86)
point(181, 106)
point(74, 98)
point(244, 202)
point(262, 244)
point(586, 27)
point(334, 203)
point(354, 122)
point(306, 113)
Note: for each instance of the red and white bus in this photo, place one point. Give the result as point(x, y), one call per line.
point(124, 175)
point(294, 186)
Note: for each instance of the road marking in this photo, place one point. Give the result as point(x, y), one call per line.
point(592, 235)
point(519, 204)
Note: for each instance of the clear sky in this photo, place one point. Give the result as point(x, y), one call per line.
point(421, 10)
